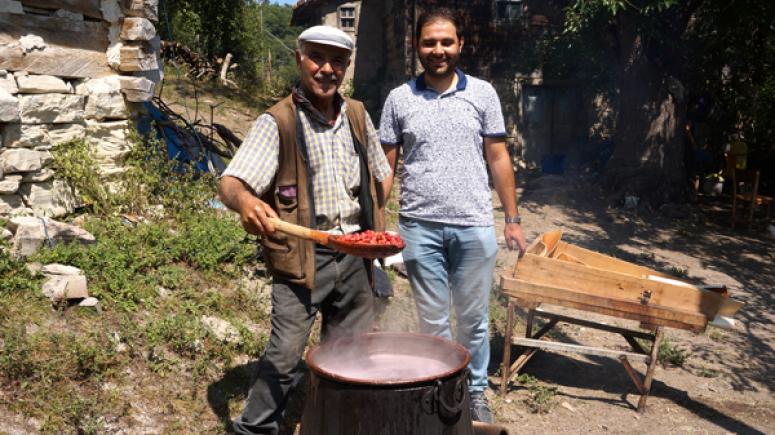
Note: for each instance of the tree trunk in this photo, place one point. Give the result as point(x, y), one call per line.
point(647, 159)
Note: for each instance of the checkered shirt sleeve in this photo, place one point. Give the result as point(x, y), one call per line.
point(257, 158)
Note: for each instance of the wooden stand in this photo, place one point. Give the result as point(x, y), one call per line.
point(533, 343)
point(558, 273)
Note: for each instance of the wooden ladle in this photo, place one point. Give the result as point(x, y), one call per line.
point(335, 242)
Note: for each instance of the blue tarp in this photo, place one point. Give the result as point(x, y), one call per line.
point(187, 150)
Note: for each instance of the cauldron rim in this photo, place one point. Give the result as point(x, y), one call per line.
point(451, 345)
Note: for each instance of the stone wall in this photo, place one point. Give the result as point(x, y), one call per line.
point(69, 69)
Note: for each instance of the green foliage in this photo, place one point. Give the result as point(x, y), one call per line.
point(14, 275)
point(526, 379)
point(734, 69)
point(680, 272)
point(669, 354)
point(152, 180)
point(131, 260)
point(75, 163)
point(541, 399)
point(15, 354)
point(721, 51)
point(94, 356)
point(208, 241)
point(183, 333)
point(257, 34)
point(707, 372)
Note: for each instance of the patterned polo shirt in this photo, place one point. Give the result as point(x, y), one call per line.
point(334, 162)
point(442, 139)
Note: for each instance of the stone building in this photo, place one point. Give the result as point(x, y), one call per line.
point(69, 69)
point(545, 116)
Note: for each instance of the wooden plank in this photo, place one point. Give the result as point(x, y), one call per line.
point(595, 325)
point(601, 261)
point(61, 62)
point(605, 283)
point(566, 257)
point(56, 31)
point(90, 8)
point(505, 367)
point(577, 348)
point(649, 314)
point(522, 359)
point(633, 376)
point(650, 371)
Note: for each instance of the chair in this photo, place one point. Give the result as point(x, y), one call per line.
point(745, 189)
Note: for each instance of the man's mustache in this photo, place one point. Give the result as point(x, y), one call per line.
point(322, 76)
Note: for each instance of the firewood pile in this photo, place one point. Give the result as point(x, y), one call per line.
point(69, 70)
point(198, 66)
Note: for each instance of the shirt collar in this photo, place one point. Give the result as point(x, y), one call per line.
point(301, 100)
point(462, 82)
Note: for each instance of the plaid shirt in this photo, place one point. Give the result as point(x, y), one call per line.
point(334, 162)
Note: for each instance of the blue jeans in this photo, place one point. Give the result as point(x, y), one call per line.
point(453, 264)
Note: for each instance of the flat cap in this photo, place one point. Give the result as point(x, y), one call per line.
point(327, 35)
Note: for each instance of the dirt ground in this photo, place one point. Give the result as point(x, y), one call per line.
point(725, 383)
point(726, 380)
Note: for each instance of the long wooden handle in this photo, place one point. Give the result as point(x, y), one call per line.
point(299, 231)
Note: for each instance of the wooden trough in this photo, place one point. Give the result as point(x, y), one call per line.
point(554, 272)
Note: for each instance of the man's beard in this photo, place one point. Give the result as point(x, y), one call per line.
point(452, 62)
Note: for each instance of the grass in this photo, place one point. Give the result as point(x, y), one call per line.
point(55, 361)
point(668, 353)
point(540, 398)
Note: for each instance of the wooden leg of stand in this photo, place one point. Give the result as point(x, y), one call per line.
point(506, 373)
point(529, 323)
point(650, 371)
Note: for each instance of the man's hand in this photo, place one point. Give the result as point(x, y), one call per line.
point(515, 238)
point(255, 214)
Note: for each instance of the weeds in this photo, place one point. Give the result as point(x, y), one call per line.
point(706, 372)
point(680, 272)
point(74, 162)
point(668, 353)
point(14, 275)
point(541, 398)
point(183, 333)
point(56, 363)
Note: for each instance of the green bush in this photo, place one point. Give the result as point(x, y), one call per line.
point(14, 275)
point(209, 240)
point(669, 354)
point(74, 162)
point(183, 333)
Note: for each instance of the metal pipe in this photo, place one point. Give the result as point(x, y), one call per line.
point(489, 429)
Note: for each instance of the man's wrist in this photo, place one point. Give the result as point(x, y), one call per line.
point(513, 219)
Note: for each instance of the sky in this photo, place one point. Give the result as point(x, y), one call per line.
point(284, 2)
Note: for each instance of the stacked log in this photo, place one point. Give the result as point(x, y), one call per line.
point(69, 69)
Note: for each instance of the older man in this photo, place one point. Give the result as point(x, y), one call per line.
point(450, 128)
point(312, 160)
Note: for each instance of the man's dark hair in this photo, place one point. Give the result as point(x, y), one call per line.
point(437, 14)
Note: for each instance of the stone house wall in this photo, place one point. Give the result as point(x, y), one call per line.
point(69, 69)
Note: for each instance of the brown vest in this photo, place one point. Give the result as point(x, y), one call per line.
point(288, 257)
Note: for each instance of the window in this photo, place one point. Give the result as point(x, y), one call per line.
point(347, 18)
point(508, 10)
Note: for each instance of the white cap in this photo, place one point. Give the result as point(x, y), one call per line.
point(327, 35)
